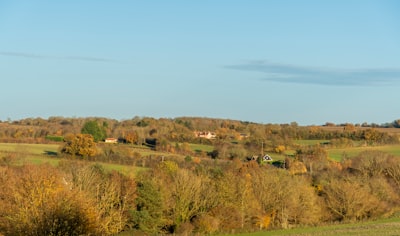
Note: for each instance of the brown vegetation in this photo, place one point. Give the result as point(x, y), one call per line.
point(189, 191)
point(43, 200)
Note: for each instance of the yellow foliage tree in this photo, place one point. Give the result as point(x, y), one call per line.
point(81, 145)
point(263, 221)
point(350, 199)
point(35, 200)
point(110, 196)
point(132, 137)
point(279, 149)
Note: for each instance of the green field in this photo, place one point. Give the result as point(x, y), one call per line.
point(47, 153)
point(42, 153)
point(201, 147)
point(307, 142)
point(338, 153)
point(381, 227)
point(124, 169)
point(35, 149)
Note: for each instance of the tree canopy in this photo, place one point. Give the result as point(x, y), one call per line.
point(93, 128)
point(80, 145)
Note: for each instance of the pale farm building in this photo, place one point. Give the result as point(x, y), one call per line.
point(111, 140)
point(205, 134)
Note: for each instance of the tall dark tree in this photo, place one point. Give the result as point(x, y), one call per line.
point(93, 128)
point(148, 215)
point(396, 123)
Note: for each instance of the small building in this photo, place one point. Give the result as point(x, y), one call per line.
point(263, 158)
point(267, 158)
point(205, 134)
point(111, 140)
point(243, 136)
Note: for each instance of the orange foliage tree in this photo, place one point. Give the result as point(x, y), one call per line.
point(81, 145)
point(36, 201)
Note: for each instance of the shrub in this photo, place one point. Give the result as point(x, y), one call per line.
point(206, 224)
point(35, 201)
point(350, 199)
point(42, 200)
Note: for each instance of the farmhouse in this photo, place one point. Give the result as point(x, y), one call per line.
point(111, 140)
point(266, 157)
point(205, 134)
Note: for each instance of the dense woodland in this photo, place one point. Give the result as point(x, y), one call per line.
point(184, 190)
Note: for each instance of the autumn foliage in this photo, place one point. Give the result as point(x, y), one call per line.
point(189, 191)
point(43, 200)
point(180, 197)
point(81, 145)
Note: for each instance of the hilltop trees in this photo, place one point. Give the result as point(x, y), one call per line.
point(132, 137)
point(180, 130)
point(93, 128)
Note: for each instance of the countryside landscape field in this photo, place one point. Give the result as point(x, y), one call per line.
point(193, 118)
point(318, 180)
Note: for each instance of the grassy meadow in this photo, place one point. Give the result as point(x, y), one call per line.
point(47, 153)
point(338, 153)
point(310, 142)
point(201, 147)
point(383, 227)
point(32, 149)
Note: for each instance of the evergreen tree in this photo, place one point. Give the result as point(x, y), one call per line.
point(94, 129)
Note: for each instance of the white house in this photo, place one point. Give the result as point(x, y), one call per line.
point(111, 140)
point(205, 134)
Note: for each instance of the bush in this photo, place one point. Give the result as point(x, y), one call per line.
point(35, 201)
point(350, 199)
point(206, 224)
point(42, 200)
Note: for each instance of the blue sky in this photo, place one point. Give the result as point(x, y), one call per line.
point(264, 61)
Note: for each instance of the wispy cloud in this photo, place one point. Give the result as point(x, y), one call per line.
point(93, 59)
point(17, 54)
point(312, 75)
point(70, 58)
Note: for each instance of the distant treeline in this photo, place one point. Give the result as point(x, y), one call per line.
point(394, 124)
point(232, 138)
